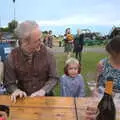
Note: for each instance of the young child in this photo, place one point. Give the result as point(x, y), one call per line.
point(72, 83)
point(4, 112)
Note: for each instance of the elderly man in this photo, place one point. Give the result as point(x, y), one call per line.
point(31, 68)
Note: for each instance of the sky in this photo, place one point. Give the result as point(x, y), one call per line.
point(57, 15)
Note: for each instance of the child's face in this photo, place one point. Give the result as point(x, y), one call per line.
point(72, 70)
point(3, 115)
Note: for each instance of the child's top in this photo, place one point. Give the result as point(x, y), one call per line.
point(72, 87)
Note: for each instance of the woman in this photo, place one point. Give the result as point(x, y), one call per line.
point(110, 66)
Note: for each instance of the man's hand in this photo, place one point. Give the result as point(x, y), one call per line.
point(17, 93)
point(41, 92)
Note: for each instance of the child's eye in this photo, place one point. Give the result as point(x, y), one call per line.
point(73, 68)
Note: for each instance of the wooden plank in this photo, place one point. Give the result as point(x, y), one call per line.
point(41, 108)
point(39, 101)
point(42, 114)
point(4, 99)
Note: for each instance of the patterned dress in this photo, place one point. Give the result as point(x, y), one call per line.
point(72, 87)
point(108, 70)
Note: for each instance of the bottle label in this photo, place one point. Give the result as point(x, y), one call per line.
point(108, 88)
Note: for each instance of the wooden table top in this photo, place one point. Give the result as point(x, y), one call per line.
point(48, 108)
point(41, 108)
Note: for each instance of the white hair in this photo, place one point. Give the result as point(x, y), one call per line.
point(25, 28)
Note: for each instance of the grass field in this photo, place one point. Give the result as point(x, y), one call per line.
point(89, 61)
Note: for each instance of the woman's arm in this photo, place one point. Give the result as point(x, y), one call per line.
point(100, 67)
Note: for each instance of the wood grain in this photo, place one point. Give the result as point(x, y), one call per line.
point(41, 108)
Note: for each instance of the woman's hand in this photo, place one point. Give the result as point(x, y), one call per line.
point(90, 113)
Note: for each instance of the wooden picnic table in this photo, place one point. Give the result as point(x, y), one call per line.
point(41, 108)
point(47, 108)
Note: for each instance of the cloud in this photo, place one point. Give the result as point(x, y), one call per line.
point(98, 19)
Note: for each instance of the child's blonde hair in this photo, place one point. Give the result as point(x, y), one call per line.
point(69, 62)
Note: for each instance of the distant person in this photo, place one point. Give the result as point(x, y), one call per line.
point(72, 82)
point(50, 39)
point(5, 49)
point(45, 39)
point(1, 71)
point(78, 44)
point(68, 40)
point(30, 69)
point(110, 66)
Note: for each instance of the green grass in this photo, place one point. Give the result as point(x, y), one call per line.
point(89, 61)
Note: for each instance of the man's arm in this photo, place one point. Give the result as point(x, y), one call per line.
point(52, 75)
point(99, 69)
point(9, 75)
point(10, 80)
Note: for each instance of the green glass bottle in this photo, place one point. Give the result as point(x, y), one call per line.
point(106, 107)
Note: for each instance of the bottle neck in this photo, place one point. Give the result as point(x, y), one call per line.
point(108, 87)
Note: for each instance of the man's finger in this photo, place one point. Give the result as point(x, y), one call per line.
point(25, 95)
point(11, 97)
point(21, 94)
point(14, 98)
